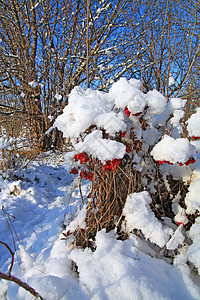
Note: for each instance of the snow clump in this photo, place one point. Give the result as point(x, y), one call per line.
point(138, 215)
point(173, 150)
point(193, 122)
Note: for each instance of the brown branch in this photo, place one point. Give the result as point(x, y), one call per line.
point(5, 212)
point(12, 254)
point(14, 279)
point(24, 285)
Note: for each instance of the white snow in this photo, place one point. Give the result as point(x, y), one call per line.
point(111, 122)
point(171, 80)
point(173, 150)
point(100, 148)
point(116, 270)
point(193, 250)
point(138, 215)
point(175, 104)
point(58, 96)
point(33, 83)
point(44, 204)
point(156, 102)
point(177, 239)
point(180, 213)
point(193, 124)
point(192, 199)
point(80, 113)
point(127, 93)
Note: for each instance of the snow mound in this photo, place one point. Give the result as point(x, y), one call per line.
point(173, 150)
point(126, 93)
point(138, 215)
point(101, 148)
point(156, 103)
point(118, 270)
point(81, 111)
point(111, 122)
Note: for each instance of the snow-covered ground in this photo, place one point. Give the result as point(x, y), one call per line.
point(37, 205)
point(43, 205)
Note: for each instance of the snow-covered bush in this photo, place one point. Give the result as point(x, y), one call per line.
point(130, 145)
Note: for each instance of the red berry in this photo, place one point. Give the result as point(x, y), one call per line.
point(115, 161)
point(128, 150)
point(160, 162)
point(76, 157)
point(195, 137)
point(179, 223)
point(74, 171)
point(137, 114)
point(190, 161)
point(123, 134)
point(90, 176)
point(85, 159)
point(105, 167)
point(127, 112)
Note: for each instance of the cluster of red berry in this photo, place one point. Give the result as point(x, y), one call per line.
point(160, 162)
point(74, 171)
point(128, 113)
point(123, 133)
point(180, 223)
point(87, 175)
point(111, 164)
point(190, 161)
point(187, 163)
point(83, 157)
point(120, 133)
point(195, 138)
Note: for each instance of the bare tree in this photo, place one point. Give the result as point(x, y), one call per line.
point(44, 52)
point(48, 47)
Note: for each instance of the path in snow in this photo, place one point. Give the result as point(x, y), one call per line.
point(40, 206)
